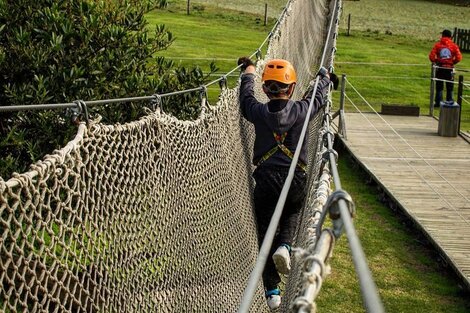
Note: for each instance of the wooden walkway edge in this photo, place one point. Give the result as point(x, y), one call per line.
point(427, 175)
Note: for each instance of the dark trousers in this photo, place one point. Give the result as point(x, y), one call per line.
point(446, 74)
point(269, 182)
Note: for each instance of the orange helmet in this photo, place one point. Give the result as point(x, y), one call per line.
point(279, 70)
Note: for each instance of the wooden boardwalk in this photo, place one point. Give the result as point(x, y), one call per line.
point(426, 174)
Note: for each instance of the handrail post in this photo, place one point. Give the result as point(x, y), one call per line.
point(431, 90)
point(342, 124)
point(459, 99)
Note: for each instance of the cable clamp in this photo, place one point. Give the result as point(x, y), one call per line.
point(203, 93)
point(327, 116)
point(79, 112)
point(331, 207)
point(223, 82)
point(326, 155)
point(325, 136)
point(302, 304)
point(259, 55)
point(156, 102)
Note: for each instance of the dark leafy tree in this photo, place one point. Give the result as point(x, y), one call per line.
point(58, 51)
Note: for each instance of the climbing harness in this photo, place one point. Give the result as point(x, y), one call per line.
point(280, 146)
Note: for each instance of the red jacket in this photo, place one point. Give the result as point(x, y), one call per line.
point(445, 53)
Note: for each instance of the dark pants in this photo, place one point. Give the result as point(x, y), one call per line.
point(446, 74)
point(269, 182)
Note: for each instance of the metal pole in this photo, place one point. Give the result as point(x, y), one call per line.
point(265, 14)
point(459, 99)
point(431, 90)
point(343, 88)
point(349, 23)
point(187, 7)
point(342, 125)
point(370, 295)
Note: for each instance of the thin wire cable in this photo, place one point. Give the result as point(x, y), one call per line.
point(465, 100)
point(388, 77)
point(381, 63)
point(93, 102)
point(445, 81)
point(369, 291)
point(405, 159)
point(457, 69)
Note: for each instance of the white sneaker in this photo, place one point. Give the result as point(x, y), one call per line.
point(281, 259)
point(273, 302)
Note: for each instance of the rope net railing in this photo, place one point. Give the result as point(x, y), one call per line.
point(156, 215)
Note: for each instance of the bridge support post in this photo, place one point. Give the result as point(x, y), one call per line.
point(431, 91)
point(342, 123)
point(459, 99)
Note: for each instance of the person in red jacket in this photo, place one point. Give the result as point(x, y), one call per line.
point(444, 55)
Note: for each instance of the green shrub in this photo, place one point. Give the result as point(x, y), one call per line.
point(58, 51)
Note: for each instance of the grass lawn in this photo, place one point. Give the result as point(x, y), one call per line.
point(386, 55)
point(417, 19)
point(406, 270)
point(252, 6)
point(391, 69)
point(209, 34)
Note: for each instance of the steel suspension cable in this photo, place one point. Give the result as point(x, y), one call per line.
point(93, 102)
point(405, 159)
point(388, 77)
point(369, 291)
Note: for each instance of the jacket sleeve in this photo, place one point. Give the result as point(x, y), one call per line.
point(457, 54)
point(318, 102)
point(433, 54)
point(249, 106)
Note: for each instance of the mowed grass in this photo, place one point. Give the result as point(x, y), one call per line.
point(417, 19)
point(386, 55)
point(251, 6)
point(391, 69)
point(407, 271)
point(211, 34)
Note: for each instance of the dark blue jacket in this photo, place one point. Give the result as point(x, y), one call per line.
point(280, 116)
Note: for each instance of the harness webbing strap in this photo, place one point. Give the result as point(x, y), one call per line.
point(280, 146)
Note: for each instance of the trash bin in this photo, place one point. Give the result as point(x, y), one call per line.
point(449, 119)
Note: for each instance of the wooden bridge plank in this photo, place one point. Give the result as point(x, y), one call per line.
point(428, 175)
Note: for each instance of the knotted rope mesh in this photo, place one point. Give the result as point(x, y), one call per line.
point(151, 216)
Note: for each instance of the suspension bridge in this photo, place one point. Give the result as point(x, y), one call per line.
point(156, 215)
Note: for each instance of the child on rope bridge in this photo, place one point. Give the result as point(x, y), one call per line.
point(278, 125)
